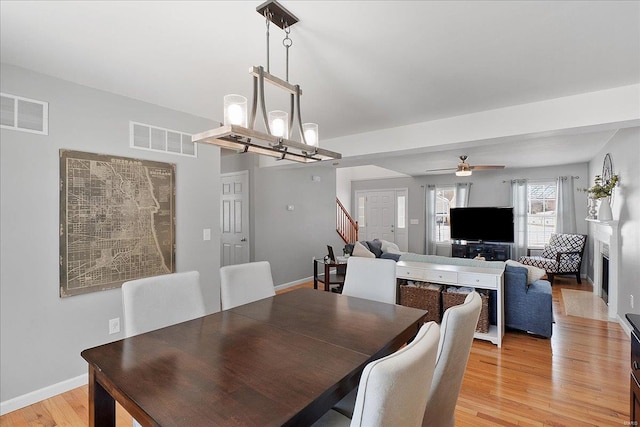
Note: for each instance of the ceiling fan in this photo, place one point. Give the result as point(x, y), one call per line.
point(464, 169)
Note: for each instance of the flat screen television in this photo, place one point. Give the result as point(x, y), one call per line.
point(487, 224)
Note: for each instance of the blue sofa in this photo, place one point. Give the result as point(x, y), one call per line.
point(527, 307)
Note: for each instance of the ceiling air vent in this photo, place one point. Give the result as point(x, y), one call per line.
point(153, 138)
point(24, 114)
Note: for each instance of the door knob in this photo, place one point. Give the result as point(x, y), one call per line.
point(244, 239)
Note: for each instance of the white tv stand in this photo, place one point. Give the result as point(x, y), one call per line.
point(458, 275)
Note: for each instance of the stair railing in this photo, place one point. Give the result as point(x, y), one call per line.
point(346, 226)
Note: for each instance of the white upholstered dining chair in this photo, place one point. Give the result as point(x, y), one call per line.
point(244, 283)
point(391, 391)
point(159, 301)
point(371, 278)
point(456, 336)
point(155, 302)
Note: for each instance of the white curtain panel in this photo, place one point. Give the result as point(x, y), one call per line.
point(519, 203)
point(430, 221)
point(565, 206)
point(462, 194)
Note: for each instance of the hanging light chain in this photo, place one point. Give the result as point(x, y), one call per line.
point(268, 16)
point(287, 43)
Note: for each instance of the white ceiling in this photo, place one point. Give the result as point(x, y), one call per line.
point(363, 65)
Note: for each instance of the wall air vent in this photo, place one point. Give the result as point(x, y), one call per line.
point(153, 138)
point(24, 114)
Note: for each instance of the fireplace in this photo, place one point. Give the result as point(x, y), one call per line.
point(606, 262)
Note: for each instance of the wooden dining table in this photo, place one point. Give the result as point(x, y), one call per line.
point(283, 360)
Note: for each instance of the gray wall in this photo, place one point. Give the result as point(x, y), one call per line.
point(42, 335)
point(487, 189)
point(624, 148)
point(289, 239)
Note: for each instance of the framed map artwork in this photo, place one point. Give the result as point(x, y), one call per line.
point(117, 221)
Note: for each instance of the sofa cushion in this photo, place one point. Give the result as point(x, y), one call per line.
point(360, 250)
point(389, 255)
point(533, 273)
point(375, 246)
point(515, 276)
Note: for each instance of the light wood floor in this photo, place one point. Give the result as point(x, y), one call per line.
point(579, 377)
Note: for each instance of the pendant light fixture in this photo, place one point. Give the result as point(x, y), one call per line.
point(238, 130)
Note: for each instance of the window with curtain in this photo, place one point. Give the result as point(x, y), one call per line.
point(440, 200)
point(445, 200)
point(541, 212)
point(361, 209)
point(401, 214)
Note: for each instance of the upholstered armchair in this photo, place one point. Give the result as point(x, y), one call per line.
point(563, 255)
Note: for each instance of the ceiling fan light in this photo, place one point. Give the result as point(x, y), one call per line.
point(463, 170)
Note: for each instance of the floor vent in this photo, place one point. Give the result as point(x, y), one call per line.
point(24, 114)
point(153, 138)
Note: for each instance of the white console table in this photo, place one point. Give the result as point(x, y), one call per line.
point(458, 275)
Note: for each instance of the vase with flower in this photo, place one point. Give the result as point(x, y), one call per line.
point(601, 191)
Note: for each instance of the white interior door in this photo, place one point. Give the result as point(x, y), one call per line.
point(234, 218)
point(380, 215)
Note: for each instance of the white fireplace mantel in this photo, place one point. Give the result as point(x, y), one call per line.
point(606, 233)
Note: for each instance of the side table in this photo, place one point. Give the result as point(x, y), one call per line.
point(322, 272)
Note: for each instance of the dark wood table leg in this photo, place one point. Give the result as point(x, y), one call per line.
point(315, 274)
point(102, 406)
point(327, 276)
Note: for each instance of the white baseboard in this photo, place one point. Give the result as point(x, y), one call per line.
point(42, 394)
point(294, 283)
point(625, 325)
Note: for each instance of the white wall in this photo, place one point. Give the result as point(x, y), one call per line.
point(605, 109)
point(624, 148)
point(41, 334)
point(343, 188)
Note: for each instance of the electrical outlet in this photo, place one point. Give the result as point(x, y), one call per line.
point(631, 300)
point(114, 326)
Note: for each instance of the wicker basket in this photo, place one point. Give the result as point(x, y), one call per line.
point(425, 296)
point(449, 299)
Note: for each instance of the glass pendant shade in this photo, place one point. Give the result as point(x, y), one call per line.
point(279, 123)
point(310, 131)
point(235, 110)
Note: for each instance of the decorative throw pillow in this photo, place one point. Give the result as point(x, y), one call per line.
point(361, 251)
point(348, 249)
point(390, 247)
point(375, 246)
point(533, 273)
